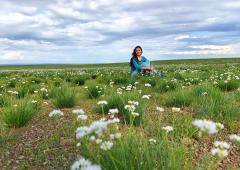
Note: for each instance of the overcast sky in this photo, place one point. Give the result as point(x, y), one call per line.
point(106, 31)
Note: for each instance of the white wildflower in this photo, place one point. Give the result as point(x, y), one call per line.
point(98, 141)
point(168, 128)
point(152, 141)
point(234, 137)
point(44, 90)
point(133, 102)
point(219, 126)
point(102, 102)
point(112, 136)
point(34, 101)
point(118, 135)
point(207, 126)
point(83, 164)
point(221, 145)
point(219, 152)
point(146, 96)
point(176, 109)
point(130, 108)
point(98, 127)
point(107, 145)
point(82, 117)
point(92, 138)
point(135, 114)
point(113, 111)
point(148, 85)
point(160, 109)
point(56, 113)
point(78, 111)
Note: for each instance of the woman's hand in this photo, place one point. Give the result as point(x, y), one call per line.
point(151, 68)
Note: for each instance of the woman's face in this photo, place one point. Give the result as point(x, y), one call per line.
point(138, 51)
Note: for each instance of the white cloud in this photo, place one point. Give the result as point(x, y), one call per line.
point(181, 37)
point(14, 19)
point(12, 55)
point(213, 47)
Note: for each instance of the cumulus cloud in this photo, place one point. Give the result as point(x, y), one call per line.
point(12, 55)
point(107, 31)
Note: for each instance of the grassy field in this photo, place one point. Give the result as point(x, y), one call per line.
point(98, 117)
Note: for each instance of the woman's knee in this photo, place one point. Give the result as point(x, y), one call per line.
point(134, 73)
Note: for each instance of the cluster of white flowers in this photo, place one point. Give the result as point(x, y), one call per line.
point(146, 96)
point(176, 109)
point(97, 127)
point(130, 87)
point(107, 145)
point(44, 90)
point(131, 107)
point(82, 117)
point(160, 109)
point(103, 102)
point(115, 136)
point(235, 138)
point(34, 101)
point(78, 111)
point(148, 85)
point(111, 83)
point(207, 126)
point(100, 89)
point(135, 83)
point(83, 164)
point(152, 141)
point(167, 128)
point(113, 111)
point(12, 92)
point(221, 149)
point(119, 90)
point(56, 113)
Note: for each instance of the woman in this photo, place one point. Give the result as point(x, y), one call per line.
point(139, 63)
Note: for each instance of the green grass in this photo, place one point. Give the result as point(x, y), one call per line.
point(19, 115)
point(179, 99)
point(64, 97)
point(119, 102)
point(188, 84)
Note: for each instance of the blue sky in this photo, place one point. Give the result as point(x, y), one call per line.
point(104, 31)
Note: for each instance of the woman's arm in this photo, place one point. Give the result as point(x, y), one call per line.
point(151, 68)
point(147, 66)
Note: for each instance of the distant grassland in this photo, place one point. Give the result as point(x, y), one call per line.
point(125, 65)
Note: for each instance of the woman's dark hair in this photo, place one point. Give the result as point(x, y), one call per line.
point(134, 55)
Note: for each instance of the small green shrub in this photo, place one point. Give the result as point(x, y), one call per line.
point(95, 91)
point(64, 97)
point(228, 85)
point(166, 86)
point(179, 99)
point(20, 114)
point(119, 102)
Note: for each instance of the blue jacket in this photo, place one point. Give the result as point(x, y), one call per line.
point(137, 65)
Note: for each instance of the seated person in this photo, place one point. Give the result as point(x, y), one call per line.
point(139, 63)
